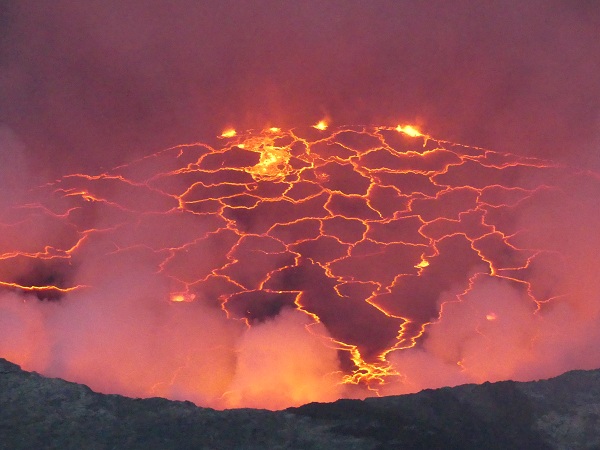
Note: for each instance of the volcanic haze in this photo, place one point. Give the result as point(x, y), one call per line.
point(292, 263)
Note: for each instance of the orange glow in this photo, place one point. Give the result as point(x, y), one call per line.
point(182, 297)
point(273, 162)
point(321, 125)
point(409, 130)
point(228, 133)
point(282, 266)
point(424, 263)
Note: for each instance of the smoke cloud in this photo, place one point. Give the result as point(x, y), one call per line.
point(494, 332)
point(91, 85)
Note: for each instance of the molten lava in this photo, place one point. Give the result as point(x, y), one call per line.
point(287, 266)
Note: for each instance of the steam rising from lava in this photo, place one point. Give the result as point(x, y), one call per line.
point(282, 267)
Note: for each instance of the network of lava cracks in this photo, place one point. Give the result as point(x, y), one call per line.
point(361, 228)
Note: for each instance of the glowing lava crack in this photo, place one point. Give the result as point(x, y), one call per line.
point(355, 243)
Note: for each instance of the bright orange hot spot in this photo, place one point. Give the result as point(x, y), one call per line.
point(409, 130)
point(230, 132)
point(424, 263)
point(182, 298)
point(321, 125)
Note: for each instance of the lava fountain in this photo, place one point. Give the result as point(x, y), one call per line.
point(288, 266)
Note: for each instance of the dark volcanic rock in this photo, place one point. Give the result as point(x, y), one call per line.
point(561, 413)
point(43, 413)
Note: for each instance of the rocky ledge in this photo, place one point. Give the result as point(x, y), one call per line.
point(560, 413)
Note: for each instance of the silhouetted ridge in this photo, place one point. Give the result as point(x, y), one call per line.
point(560, 413)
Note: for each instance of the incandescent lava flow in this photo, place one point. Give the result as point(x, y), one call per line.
point(283, 267)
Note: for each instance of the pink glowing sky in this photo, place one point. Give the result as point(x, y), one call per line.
point(90, 84)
